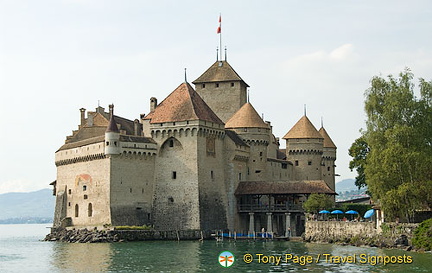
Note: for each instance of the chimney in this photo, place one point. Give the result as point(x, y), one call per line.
point(153, 103)
point(111, 110)
point(82, 110)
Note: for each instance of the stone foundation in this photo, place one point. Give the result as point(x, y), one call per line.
point(108, 236)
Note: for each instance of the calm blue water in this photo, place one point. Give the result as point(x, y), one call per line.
point(22, 251)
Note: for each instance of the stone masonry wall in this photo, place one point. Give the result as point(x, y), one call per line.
point(360, 233)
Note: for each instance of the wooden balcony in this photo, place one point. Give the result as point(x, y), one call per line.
point(270, 208)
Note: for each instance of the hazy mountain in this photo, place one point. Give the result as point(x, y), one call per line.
point(346, 185)
point(37, 204)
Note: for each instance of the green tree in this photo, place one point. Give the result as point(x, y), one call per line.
point(358, 151)
point(317, 202)
point(394, 154)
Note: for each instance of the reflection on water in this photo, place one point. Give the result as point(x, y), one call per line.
point(81, 257)
point(22, 251)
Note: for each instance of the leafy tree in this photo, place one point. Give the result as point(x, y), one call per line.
point(394, 154)
point(358, 151)
point(317, 202)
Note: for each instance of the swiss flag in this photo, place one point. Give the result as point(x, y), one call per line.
point(219, 27)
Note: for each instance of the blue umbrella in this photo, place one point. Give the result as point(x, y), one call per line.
point(337, 212)
point(351, 212)
point(324, 211)
point(369, 213)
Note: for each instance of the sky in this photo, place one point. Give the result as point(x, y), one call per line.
point(58, 56)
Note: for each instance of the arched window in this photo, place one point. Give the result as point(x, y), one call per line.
point(76, 210)
point(90, 210)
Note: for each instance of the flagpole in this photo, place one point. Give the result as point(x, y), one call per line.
point(220, 36)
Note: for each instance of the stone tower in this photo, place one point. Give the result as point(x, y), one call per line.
point(249, 126)
point(328, 159)
point(222, 89)
point(304, 148)
point(189, 179)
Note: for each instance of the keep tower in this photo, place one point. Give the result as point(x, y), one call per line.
point(222, 89)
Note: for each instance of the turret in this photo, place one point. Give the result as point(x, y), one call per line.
point(328, 159)
point(248, 125)
point(112, 135)
point(304, 148)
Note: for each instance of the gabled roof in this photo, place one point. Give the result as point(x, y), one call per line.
point(246, 117)
point(328, 142)
point(283, 187)
point(182, 104)
point(220, 71)
point(303, 129)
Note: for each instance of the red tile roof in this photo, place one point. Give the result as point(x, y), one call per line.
point(183, 104)
point(220, 71)
point(294, 187)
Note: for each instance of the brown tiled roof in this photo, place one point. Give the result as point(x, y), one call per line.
point(303, 129)
point(296, 187)
point(181, 105)
point(234, 137)
point(246, 117)
point(328, 142)
point(220, 71)
point(84, 142)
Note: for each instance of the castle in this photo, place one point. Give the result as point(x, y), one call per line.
point(201, 159)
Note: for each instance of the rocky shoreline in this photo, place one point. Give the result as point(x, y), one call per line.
point(112, 235)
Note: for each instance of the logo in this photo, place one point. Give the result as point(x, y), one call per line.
point(226, 259)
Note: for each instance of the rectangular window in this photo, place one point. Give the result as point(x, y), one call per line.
point(211, 175)
point(240, 176)
point(232, 84)
point(328, 168)
point(217, 85)
point(296, 163)
point(309, 163)
point(85, 196)
point(70, 191)
point(84, 187)
point(203, 85)
point(174, 175)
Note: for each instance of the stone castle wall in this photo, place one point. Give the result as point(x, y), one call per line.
point(132, 186)
point(176, 198)
point(86, 191)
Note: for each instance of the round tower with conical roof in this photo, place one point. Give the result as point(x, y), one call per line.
point(304, 148)
point(247, 123)
point(328, 159)
point(112, 135)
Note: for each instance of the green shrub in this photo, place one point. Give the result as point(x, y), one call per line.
point(423, 235)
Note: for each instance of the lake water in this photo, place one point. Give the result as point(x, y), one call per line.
point(22, 251)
